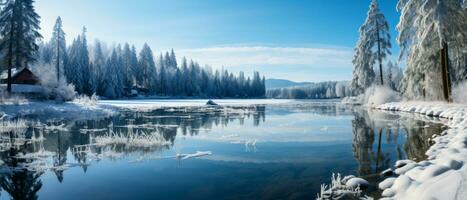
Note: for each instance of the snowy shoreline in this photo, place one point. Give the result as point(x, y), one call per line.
point(444, 174)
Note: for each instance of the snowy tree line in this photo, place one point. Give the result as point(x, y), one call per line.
point(433, 40)
point(322, 90)
point(117, 71)
point(114, 72)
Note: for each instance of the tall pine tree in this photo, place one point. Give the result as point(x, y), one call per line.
point(19, 28)
point(58, 45)
point(374, 45)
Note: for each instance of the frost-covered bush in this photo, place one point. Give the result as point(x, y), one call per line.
point(339, 189)
point(87, 100)
point(374, 96)
point(377, 95)
point(59, 90)
point(459, 93)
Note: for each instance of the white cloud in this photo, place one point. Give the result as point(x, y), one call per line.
point(335, 57)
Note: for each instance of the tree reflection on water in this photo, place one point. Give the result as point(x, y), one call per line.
point(29, 148)
point(377, 143)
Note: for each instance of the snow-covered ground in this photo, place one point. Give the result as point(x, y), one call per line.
point(444, 174)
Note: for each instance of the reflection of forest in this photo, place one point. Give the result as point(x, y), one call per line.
point(320, 108)
point(377, 140)
point(28, 151)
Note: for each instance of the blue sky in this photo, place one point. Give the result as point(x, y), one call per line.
point(301, 40)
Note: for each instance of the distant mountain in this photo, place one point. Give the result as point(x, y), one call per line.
point(282, 83)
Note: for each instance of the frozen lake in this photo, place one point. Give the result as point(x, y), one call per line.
point(180, 149)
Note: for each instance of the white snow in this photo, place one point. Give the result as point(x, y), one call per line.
point(444, 174)
point(355, 182)
point(342, 188)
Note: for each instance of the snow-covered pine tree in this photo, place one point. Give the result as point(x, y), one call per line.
point(134, 65)
point(241, 84)
point(99, 68)
point(373, 45)
point(162, 76)
point(128, 66)
point(72, 73)
point(78, 70)
point(146, 62)
point(394, 76)
point(194, 69)
point(58, 46)
point(19, 28)
point(114, 76)
point(173, 59)
point(184, 78)
point(424, 27)
point(45, 53)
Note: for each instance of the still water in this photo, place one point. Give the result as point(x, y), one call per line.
point(240, 152)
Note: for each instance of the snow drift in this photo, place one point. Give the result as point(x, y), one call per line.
point(444, 174)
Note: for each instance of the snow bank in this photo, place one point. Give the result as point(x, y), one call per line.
point(444, 174)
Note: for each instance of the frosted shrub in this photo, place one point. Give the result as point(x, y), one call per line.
point(52, 88)
point(87, 100)
point(338, 190)
point(132, 139)
point(377, 95)
point(459, 93)
point(374, 96)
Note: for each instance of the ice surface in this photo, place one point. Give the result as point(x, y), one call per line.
point(176, 103)
point(194, 155)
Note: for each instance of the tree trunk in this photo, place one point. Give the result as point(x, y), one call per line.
point(423, 90)
point(10, 54)
point(379, 55)
point(58, 57)
point(10, 62)
point(378, 155)
point(445, 73)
